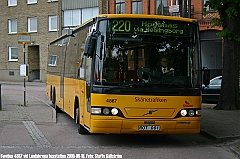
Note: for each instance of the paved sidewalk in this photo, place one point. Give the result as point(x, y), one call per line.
point(220, 125)
point(18, 123)
point(35, 110)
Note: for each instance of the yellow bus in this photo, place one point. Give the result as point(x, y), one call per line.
point(104, 75)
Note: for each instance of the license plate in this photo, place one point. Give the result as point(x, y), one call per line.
point(154, 127)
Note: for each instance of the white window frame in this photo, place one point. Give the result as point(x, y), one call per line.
point(73, 21)
point(12, 2)
point(52, 61)
point(11, 25)
point(161, 7)
point(120, 7)
point(30, 24)
point(31, 1)
point(137, 4)
point(10, 53)
point(53, 27)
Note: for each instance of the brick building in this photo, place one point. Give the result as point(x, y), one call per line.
point(211, 44)
point(47, 19)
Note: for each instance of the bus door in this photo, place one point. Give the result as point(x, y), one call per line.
point(64, 68)
point(65, 43)
point(85, 112)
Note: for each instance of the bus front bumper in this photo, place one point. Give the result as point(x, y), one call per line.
point(134, 126)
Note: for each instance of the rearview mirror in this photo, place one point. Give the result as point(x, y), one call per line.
point(206, 76)
point(90, 45)
point(101, 46)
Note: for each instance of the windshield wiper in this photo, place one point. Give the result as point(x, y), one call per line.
point(179, 86)
point(124, 86)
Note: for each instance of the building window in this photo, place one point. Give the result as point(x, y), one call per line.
point(161, 7)
point(72, 17)
point(207, 8)
point(11, 73)
point(53, 23)
point(52, 60)
point(120, 6)
point(136, 53)
point(12, 2)
point(31, 1)
point(32, 24)
point(136, 6)
point(88, 13)
point(12, 26)
point(13, 54)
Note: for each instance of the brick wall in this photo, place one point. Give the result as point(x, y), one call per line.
point(128, 6)
point(196, 4)
point(198, 8)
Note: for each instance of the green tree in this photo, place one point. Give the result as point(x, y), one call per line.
point(229, 20)
point(229, 11)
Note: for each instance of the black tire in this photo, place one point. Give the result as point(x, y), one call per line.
point(82, 130)
point(58, 110)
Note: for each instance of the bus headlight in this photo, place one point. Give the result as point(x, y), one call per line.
point(96, 111)
point(183, 112)
point(106, 111)
point(114, 111)
point(191, 112)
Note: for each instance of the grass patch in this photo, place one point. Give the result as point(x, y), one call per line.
point(21, 105)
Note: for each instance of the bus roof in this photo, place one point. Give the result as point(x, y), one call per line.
point(81, 26)
point(147, 16)
point(112, 16)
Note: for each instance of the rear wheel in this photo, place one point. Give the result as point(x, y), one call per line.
point(58, 110)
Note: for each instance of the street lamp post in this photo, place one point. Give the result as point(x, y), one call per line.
point(24, 38)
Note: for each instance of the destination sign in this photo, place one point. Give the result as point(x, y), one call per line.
point(163, 27)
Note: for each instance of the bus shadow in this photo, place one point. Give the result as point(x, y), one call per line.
point(149, 141)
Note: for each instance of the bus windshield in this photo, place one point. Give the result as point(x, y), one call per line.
point(130, 51)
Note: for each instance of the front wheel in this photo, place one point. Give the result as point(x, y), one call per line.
point(82, 130)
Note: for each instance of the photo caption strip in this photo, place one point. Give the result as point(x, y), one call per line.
point(32, 156)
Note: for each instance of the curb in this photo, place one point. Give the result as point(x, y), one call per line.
point(53, 110)
point(218, 139)
point(235, 150)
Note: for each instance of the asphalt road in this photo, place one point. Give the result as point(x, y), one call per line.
point(63, 140)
